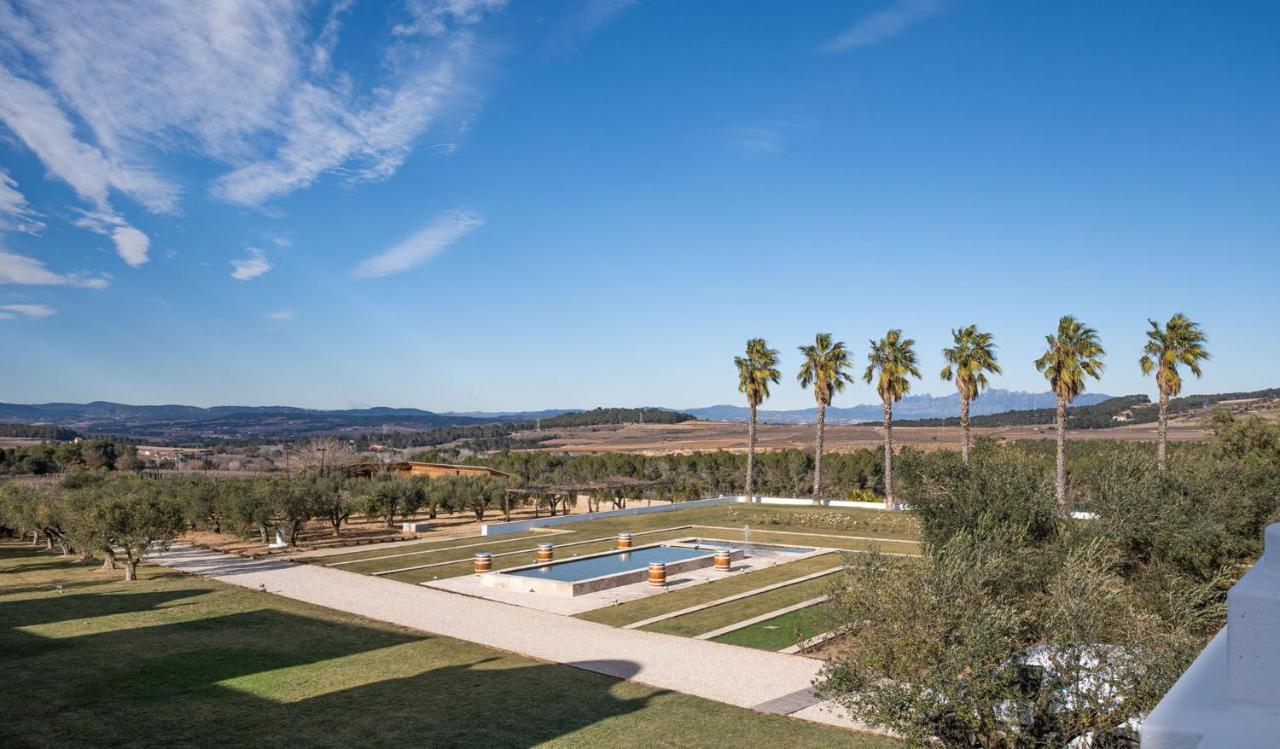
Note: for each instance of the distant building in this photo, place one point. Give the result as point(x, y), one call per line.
point(154, 452)
point(432, 470)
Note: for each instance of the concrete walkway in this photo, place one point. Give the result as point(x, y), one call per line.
point(770, 682)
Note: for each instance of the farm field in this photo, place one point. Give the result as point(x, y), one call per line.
point(691, 436)
point(179, 660)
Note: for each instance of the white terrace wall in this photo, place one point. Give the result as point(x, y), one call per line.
point(1230, 696)
point(518, 526)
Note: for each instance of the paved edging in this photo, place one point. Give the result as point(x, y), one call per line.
point(762, 618)
point(732, 598)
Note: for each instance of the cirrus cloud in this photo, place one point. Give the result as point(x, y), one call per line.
point(30, 311)
point(884, 24)
point(422, 245)
point(28, 271)
point(102, 94)
point(251, 267)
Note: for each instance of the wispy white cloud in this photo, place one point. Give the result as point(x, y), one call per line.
point(33, 115)
point(26, 270)
point(249, 268)
point(588, 18)
point(422, 245)
point(756, 141)
point(132, 245)
point(280, 315)
point(884, 24)
point(32, 311)
point(249, 83)
point(434, 17)
point(15, 213)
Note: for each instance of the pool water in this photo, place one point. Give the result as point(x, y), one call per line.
point(611, 564)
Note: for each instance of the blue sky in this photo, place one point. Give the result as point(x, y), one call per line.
point(478, 204)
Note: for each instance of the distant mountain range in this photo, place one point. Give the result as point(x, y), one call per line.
point(911, 407)
point(181, 423)
point(188, 423)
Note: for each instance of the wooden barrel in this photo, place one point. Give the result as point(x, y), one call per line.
point(546, 552)
point(723, 561)
point(658, 574)
point(483, 562)
point(624, 540)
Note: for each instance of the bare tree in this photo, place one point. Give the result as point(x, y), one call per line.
point(326, 456)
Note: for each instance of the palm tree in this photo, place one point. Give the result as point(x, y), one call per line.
point(968, 361)
point(894, 359)
point(825, 367)
point(755, 371)
point(1181, 341)
point(1073, 354)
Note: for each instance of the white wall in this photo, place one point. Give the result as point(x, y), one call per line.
point(1230, 696)
point(798, 502)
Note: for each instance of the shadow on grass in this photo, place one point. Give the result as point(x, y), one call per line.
point(276, 678)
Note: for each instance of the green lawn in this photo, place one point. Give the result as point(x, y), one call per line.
point(175, 660)
point(692, 625)
point(781, 631)
point(676, 600)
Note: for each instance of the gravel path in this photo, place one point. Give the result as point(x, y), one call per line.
point(724, 673)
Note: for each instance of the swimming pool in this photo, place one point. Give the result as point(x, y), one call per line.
point(572, 570)
point(610, 569)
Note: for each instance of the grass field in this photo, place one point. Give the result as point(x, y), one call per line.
point(781, 631)
point(175, 660)
point(692, 625)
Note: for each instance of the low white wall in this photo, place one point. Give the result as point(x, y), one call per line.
point(516, 526)
point(799, 502)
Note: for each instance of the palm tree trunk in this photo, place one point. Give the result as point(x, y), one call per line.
point(1060, 476)
point(888, 455)
point(817, 455)
point(964, 427)
point(1162, 448)
point(751, 452)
